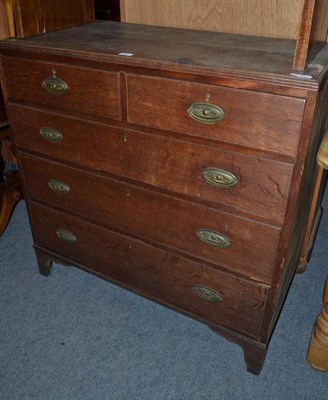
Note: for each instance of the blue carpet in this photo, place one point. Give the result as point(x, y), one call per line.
point(73, 336)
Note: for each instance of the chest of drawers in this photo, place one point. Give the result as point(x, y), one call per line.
point(184, 180)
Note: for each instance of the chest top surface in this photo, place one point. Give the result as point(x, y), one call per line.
point(179, 49)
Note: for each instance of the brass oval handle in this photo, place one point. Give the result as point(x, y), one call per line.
point(58, 186)
point(66, 236)
point(207, 293)
point(219, 178)
point(206, 113)
point(51, 134)
point(54, 86)
point(213, 238)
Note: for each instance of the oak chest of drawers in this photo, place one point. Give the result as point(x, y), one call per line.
point(181, 179)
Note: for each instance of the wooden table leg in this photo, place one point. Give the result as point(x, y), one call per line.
point(313, 221)
point(317, 355)
point(10, 194)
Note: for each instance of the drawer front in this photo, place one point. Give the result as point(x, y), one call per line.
point(255, 185)
point(243, 245)
point(231, 302)
point(89, 91)
point(257, 120)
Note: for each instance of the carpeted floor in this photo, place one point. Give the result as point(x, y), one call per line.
point(73, 336)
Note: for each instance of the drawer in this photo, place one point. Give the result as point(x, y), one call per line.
point(262, 185)
point(251, 119)
point(235, 303)
point(241, 244)
point(89, 91)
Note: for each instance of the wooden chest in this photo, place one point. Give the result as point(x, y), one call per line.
point(172, 171)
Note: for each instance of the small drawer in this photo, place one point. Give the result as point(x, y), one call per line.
point(241, 244)
point(78, 90)
point(205, 173)
point(211, 295)
point(242, 117)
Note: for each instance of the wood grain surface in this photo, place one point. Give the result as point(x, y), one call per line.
point(273, 18)
point(163, 275)
point(4, 28)
point(266, 107)
point(312, 33)
point(34, 17)
point(170, 164)
point(89, 91)
point(156, 217)
point(250, 118)
point(104, 40)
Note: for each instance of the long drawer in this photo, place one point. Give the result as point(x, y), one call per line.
point(215, 296)
point(251, 119)
point(255, 185)
point(244, 245)
point(73, 89)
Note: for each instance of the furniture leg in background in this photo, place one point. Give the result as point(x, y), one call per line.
point(313, 220)
point(10, 186)
point(317, 355)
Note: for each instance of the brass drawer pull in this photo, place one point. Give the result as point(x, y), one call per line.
point(51, 134)
point(54, 86)
point(58, 186)
point(66, 236)
point(219, 178)
point(206, 113)
point(207, 294)
point(213, 238)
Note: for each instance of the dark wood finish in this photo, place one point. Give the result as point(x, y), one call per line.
point(113, 193)
point(34, 17)
point(276, 118)
point(169, 164)
point(170, 221)
point(161, 274)
point(10, 185)
point(44, 263)
point(312, 33)
point(3, 113)
point(300, 200)
point(90, 91)
point(236, 54)
point(254, 352)
point(309, 241)
point(108, 9)
point(10, 194)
